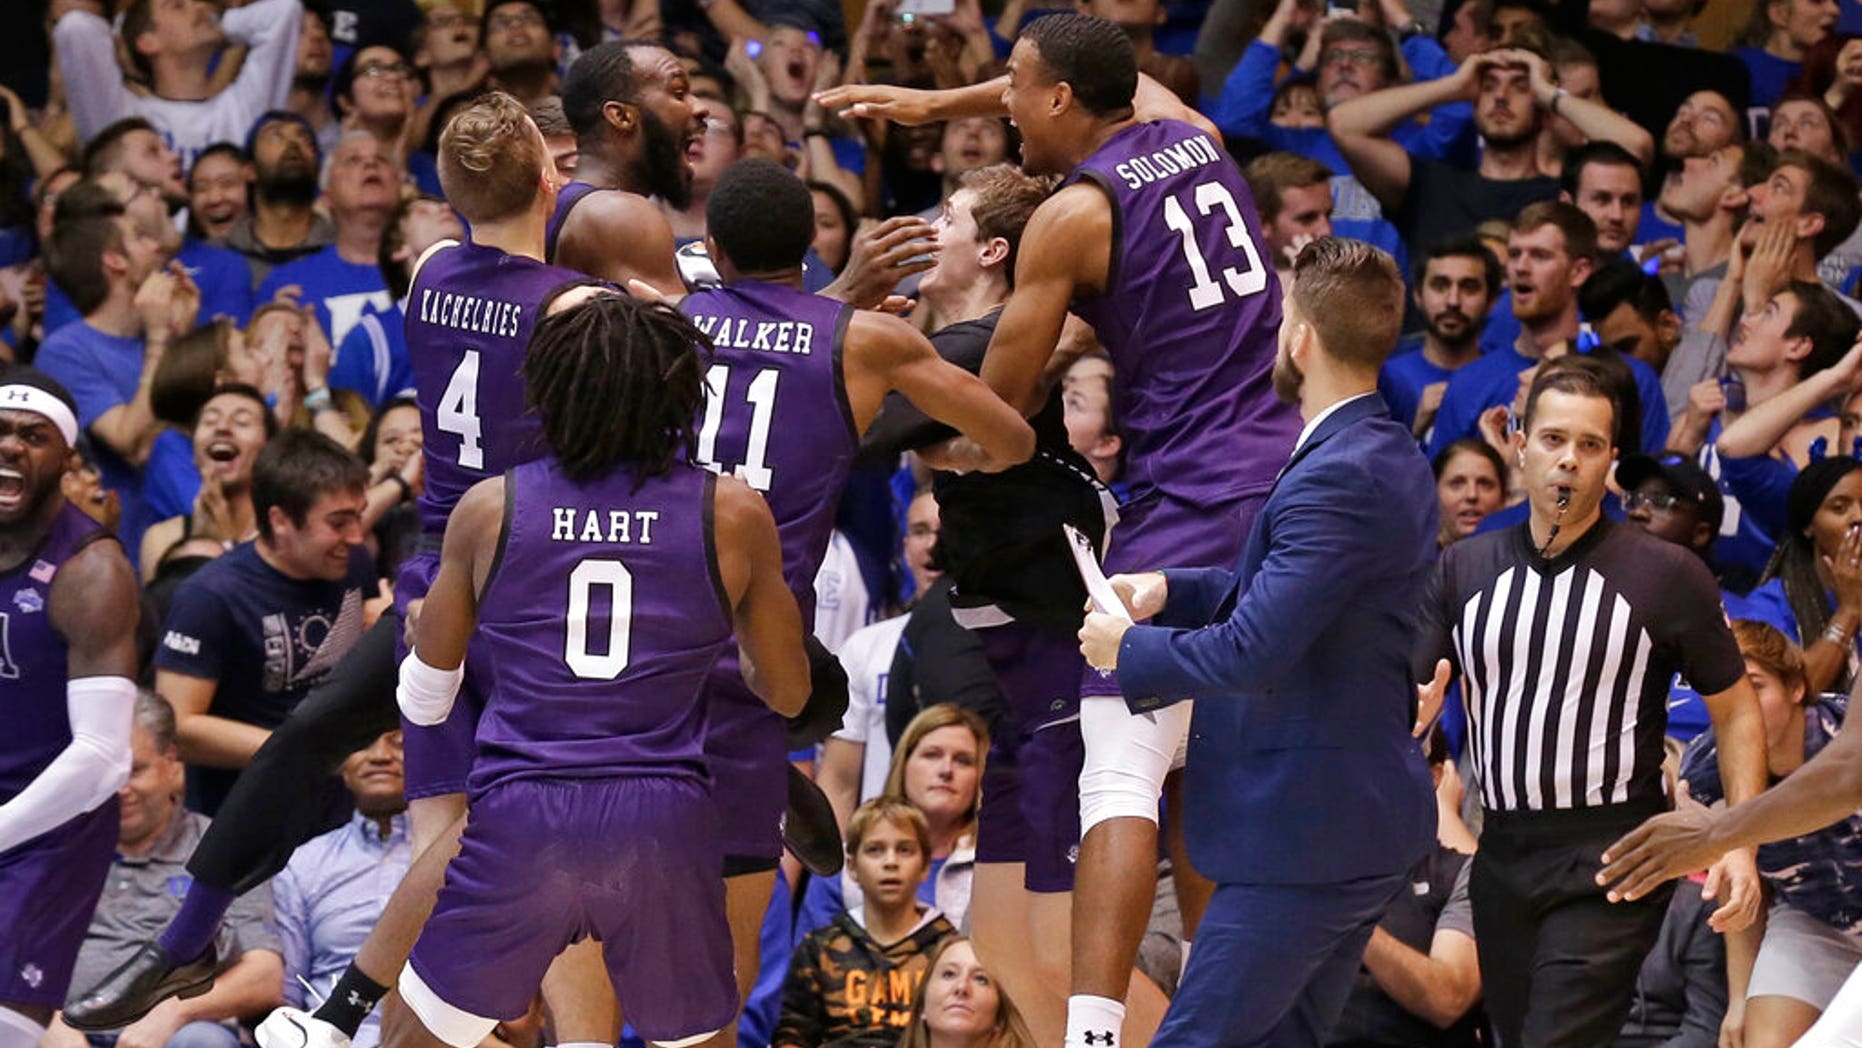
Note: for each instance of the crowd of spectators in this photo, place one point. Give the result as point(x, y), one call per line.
point(208, 214)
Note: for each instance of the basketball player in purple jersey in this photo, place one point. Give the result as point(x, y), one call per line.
point(631, 108)
point(1152, 240)
point(68, 610)
point(573, 578)
point(793, 382)
point(471, 309)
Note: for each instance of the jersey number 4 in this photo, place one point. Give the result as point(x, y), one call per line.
point(761, 394)
point(458, 411)
point(1204, 291)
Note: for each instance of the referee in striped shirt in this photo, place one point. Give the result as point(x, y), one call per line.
point(1565, 632)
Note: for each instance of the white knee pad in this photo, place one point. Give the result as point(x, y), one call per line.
point(448, 1022)
point(1841, 1024)
point(1127, 757)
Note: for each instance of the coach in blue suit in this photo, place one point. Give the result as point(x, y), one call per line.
point(1307, 800)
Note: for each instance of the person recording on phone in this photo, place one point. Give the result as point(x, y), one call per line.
point(1306, 800)
point(1565, 632)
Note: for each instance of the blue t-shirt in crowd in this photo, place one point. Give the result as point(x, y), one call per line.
point(1494, 380)
point(59, 311)
point(1404, 376)
point(224, 279)
point(170, 480)
point(101, 371)
point(372, 360)
point(1746, 539)
point(1502, 327)
point(1770, 76)
point(263, 637)
point(340, 290)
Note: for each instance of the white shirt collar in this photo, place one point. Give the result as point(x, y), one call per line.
point(1307, 432)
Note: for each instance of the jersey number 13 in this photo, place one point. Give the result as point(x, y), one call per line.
point(1204, 290)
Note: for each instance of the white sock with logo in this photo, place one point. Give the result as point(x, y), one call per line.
point(1093, 1022)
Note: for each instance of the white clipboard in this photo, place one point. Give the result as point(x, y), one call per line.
point(1098, 587)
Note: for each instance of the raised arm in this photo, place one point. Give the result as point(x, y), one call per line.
point(1598, 122)
point(94, 88)
point(1361, 128)
point(912, 106)
point(94, 607)
point(1760, 429)
point(769, 624)
point(269, 31)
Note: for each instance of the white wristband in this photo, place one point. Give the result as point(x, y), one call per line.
point(426, 693)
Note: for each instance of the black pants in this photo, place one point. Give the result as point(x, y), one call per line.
point(1558, 959)
point(272, 808)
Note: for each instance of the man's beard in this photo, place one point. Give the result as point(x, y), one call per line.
point(289, 185)
point(1456, 338)
point(1288, 378)
point(1513, 141)
point(312, 83)
point(661, 166)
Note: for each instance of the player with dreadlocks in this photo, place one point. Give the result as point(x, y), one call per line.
point(591, 809)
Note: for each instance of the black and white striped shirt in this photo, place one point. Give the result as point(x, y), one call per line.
point(1565, 663)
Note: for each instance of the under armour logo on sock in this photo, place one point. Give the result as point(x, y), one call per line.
point(1105, 1037)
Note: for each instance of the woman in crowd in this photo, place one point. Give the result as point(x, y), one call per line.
point(1470, 481)
point(1812, 590)
point(938, 769)
point(391, 446)
point(960, 1006)
point(835, 221)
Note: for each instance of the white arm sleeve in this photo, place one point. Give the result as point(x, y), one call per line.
point(84, 774)
point(269, 30)
point(426, 693)
point(94, 88)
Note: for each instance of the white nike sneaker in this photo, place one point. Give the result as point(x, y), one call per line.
point(294, 1028)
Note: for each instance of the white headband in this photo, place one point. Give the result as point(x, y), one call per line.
point(19, 397)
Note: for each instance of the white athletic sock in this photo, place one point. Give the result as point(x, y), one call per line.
point(1093, 1022)
point(583, 1044)
point(1184, 945)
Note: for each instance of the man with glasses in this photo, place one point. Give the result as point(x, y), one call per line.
point(375, 91)
point(1672, 498)
point(521, 48)
point(1354, 59)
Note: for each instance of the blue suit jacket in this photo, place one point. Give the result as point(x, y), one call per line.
point(1301, 765)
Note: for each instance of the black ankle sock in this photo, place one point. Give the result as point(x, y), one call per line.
point(351, 1001)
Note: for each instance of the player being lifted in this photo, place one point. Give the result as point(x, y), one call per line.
point(1152, 239)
